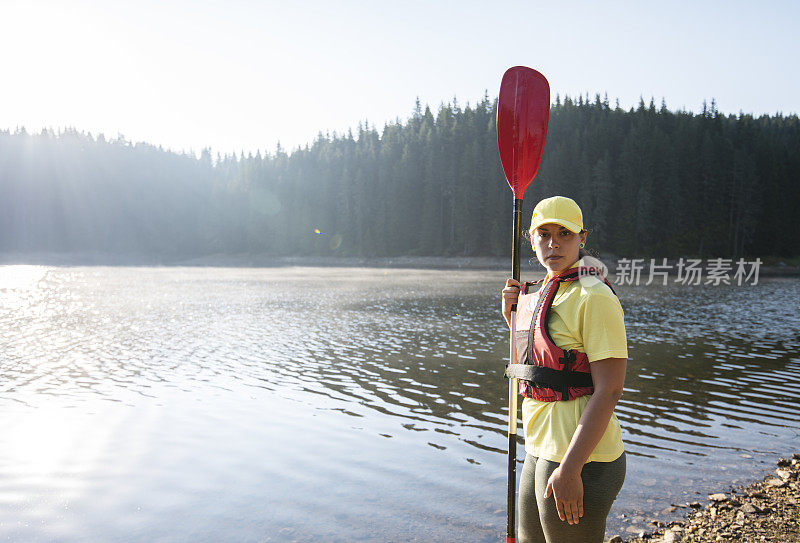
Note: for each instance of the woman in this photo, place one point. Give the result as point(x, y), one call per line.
point(575, 460)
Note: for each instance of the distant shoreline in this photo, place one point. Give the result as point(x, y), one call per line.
point(270, 261)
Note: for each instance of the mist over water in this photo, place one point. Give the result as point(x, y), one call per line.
point(210, 404)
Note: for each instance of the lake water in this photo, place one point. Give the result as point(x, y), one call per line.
point(330, 404)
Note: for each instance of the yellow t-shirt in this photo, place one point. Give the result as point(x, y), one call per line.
point(586, 316)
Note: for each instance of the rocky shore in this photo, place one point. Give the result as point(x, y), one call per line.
point(767, 510)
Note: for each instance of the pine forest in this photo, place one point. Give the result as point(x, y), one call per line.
point(652, 182)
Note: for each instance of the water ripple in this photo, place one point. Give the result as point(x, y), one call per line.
point(414, 358)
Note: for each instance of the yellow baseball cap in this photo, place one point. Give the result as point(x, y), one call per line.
point(559, 210)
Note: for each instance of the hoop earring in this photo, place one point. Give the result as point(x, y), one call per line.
point(582, 245)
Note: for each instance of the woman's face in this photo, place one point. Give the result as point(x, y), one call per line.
point(556, 247)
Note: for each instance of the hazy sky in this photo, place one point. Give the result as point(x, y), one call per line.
point(239, 75)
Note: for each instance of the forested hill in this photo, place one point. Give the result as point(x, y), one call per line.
point(652, 182)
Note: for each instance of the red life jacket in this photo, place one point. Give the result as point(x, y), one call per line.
point(546, 372)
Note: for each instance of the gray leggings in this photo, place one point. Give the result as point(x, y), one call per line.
point(538, 517)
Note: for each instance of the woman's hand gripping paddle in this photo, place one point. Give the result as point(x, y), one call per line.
point(523, 110)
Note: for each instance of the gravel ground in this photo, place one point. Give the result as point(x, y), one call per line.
point(768, 510)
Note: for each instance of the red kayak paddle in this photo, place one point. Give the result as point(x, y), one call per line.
point(523, 110)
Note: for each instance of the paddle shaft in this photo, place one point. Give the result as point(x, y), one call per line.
point(512, 384)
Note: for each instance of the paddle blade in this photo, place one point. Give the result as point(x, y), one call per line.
point(523, 110)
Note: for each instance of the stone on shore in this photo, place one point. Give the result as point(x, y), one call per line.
point(768, 510)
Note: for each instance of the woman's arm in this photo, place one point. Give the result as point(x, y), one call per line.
point(565, 483)
point(608, 376)
point(510, 297)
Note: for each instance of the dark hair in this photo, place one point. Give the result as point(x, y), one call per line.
point(585, 252)
point(581, 252)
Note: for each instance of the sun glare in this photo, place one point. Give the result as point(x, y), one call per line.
point(47, 442)
point(17, 284)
